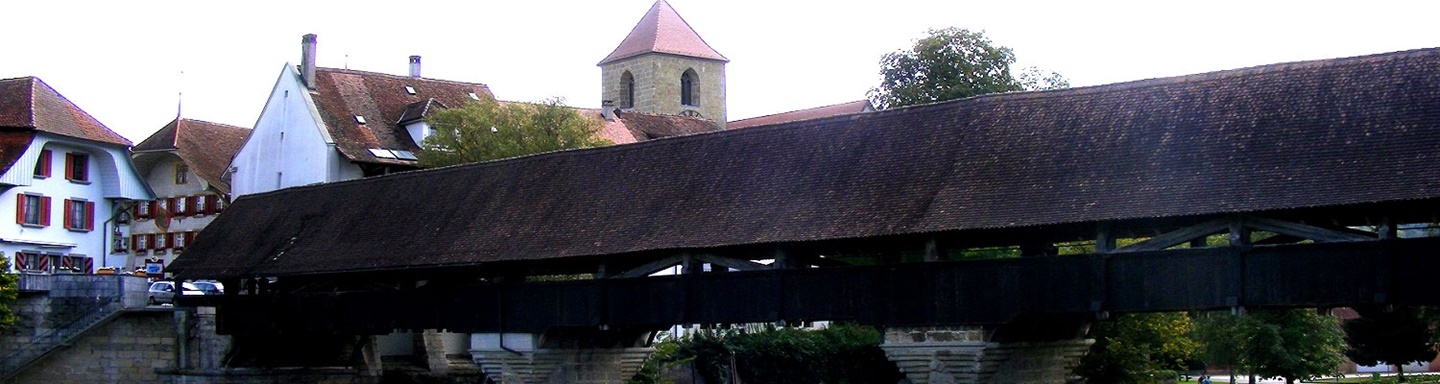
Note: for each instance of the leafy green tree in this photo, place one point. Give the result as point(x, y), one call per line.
point(490, 130)
point(953, 63)
point(1138, 348)
point(1296, 344)
point(1396, 337)
point(1222, 342)
point(9, 292)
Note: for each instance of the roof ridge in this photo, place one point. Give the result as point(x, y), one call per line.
point(798, 110)
point(360, 72)
point(1188, 78)
point(213, 123)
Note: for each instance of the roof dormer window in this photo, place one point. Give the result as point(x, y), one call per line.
point(410, 90)
point(474, 96)
point(360, 119)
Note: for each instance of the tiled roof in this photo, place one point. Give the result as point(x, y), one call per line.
point(206, 147)
point(647, 126)
point(382, 99)
point(28, 103)
point(662, 30)
point(1286, 136)
point(12, 145)
point(804, 114)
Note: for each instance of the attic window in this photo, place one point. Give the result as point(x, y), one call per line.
point(360, 119)
point(404, 155)
point(474, 96)
point(382, 153)
point(410, 90)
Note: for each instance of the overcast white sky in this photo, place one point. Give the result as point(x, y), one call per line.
point(121, 60)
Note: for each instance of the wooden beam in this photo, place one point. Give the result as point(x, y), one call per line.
point(932, 250)
point(1301, 230)
point(651, 267)
point(1104, 239)
point(1173, 238)
point(738, 264)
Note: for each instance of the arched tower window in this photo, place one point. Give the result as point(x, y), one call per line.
point(627, 90)
point(688, 94)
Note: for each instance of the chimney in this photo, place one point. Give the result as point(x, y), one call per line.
point(307, 60)
point(607, 109)
point(415, 66)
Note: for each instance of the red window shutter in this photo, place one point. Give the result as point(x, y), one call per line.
point(89, 216)
point(210, 203)
point(189, 238)
point(20, 209)
point(42, 169)
point(69, 215)
point(175, 210)
point(45, 211)
point(150, 241)
point(70, 166)
point(170, 240)
point(154, 207)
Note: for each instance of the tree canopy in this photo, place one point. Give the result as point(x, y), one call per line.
point(490, 130)
point(1295, 344)
point(1139, 348)
point(953, 63)
point(9, 292)
point(1395, 337)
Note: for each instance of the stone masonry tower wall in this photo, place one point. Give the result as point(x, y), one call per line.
point(657, 85)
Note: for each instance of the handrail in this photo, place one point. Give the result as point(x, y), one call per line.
point(40, 346)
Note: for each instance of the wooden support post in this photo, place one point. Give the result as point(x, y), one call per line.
point(782, 260)
point(601, 272)
point(1104, 240)
point(1239, 234)
point(1387, 229)
point(932, 250)
point(688, 264)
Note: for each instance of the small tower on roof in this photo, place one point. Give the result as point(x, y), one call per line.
point(664, 67)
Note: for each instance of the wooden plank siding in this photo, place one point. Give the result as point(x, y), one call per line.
point(932, 293)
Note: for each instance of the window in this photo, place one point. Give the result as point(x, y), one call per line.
point(120, 243)
point(159, 242)
point(182, 173)
point(77, 167)
point(141, 243)
point(195, 205)
point(79, 215)
point(143, 209)
point(181, 205)
point(687, 88)
point(42, 166)
point(32, 210)
point(178, 241)
point(31, 262)
point(627, 89)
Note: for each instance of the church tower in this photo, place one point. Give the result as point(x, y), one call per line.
point(664, 67)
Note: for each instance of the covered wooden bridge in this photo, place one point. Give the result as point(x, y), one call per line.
point(1299, 184)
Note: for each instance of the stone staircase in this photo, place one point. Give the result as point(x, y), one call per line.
point(35, 348)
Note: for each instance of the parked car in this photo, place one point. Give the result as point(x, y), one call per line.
point(209, 287)
point(163, 292)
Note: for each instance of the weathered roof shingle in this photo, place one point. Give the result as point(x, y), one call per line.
point(205, 146)
point(1310, 134)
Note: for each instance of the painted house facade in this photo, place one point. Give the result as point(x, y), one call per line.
point(182, 163)
point(326, 124)
point(67, 180)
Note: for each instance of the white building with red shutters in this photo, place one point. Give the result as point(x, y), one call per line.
point(67, 179)
point(183, 164)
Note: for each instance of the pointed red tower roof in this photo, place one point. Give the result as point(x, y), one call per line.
point(663, 31)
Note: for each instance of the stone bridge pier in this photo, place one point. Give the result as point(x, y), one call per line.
point(1025, 351)
point(579, 356)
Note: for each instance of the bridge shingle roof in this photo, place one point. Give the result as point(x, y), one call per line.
point(1307, 134)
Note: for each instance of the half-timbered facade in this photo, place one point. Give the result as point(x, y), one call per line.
point(66, 179)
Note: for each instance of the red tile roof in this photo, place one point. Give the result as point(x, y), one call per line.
point(206, 147)
point(663, 31)
point(28, 103)
point(804, 114)
point(342, 94)
point(12, 145)
point(632, 127)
